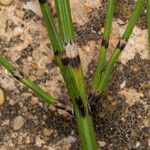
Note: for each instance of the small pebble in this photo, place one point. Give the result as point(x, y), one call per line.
point(6, 2)
point(39, 142)
point(149, 142)
point(19, 13)
point(137, 144)
point(101, 143)
point(2, 97)
point(18, 123)
point(123, 84)
point(47, 132)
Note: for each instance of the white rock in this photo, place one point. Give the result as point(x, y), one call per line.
point(123, 84)
point(6, 2)
point(137, 144)
point(18, 123)
point(34, 6)
point(17, 31)
point(101, 143)
point(39, 142)
point(2, 97)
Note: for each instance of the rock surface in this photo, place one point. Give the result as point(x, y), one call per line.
point(6, 2)
point(2, 97)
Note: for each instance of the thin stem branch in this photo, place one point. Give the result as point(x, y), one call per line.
point(58, 47)
point(122, 43)
point(104, 45)
point(18, 75)
point(65, 20)
point(68, 35)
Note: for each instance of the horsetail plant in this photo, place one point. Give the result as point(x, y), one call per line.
point(72, 59)
point(122, 43)
point(67, 58)
point(104, 44)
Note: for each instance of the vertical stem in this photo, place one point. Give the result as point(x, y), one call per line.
point(64, 19)
point(84, 121)
point(104, 45)
point(86, 131)
point(122, 43)
point(58, 46)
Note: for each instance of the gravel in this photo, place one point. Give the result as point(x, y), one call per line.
point(2, 97)
point(18, 123)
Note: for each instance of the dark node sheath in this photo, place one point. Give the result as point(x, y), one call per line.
point(94, 96)
point(105, 42)
point(65, 61)
point(56, 53)
point(42, 1)
point(18, 75)
point(75, 61)
point(80, 106)
point(122, 44)
point(69, 42)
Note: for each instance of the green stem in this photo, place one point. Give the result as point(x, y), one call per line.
point(84, 123)
point(57, 45)
point(67, 33)
point(134, 17)
point(103, 50)
point(25, 81)
point(86, 131)
point(64, 19)
point(109, 17)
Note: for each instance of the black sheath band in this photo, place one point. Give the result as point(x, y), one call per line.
point(56, 53)
point(75, 61)
point(18, 75)
point(105, 43)
point(42, 1)
point(121, 44)
point(65, 61)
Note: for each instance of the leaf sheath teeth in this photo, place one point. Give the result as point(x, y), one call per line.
point(105, 42)
point(81, 106)
point(18, 75)
point(122, 44)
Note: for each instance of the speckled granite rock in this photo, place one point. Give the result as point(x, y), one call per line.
point(122, 115)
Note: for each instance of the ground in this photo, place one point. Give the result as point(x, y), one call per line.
point(121, 116)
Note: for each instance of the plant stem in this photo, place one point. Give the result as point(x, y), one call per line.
point(104, 45)
point(86, 131)
point(58, 46)
point(148, 19)
point(67, 33)
point(65, 21)
point(26, 81)
point(84, 121)
point(134, 17)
